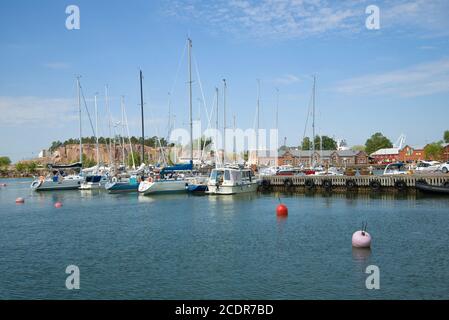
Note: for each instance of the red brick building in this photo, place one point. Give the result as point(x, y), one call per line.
point(412, 154)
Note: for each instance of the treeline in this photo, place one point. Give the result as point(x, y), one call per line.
point(150, 142)
point(324, 142)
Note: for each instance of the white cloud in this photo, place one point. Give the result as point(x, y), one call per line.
point(36, 111)
point(417, 80)
point(286, 79)
point(285, 19)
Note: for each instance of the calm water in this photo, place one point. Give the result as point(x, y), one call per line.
point(201, 247)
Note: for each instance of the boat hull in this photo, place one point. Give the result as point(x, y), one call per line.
point(47, 185)
point(232, 189)
point(119, 187)
point(432, 189)
point(162, 186)
point(197, 188)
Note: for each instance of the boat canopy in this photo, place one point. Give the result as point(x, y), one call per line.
point(76, 165)
point(178, 167)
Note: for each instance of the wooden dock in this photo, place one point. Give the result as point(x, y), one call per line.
point(350, 183)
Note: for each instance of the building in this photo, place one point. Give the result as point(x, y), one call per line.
point(340, 158)
point(411, 154)
point(446, 151)
point(386, 155)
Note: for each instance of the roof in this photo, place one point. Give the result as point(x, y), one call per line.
point(386, 151)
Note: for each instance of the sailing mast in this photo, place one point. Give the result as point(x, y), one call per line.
point(96, 133)
point(258, 121)
point(190, 98)
point(216, 126)
point(79, 110)
point(141, 111)
point(109, 125)
point(224, 121)
point(313, 119)
point(122, 106)
point(277, 124)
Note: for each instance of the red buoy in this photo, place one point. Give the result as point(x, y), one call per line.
point(282, 210)
point(58, 204)
point(20, 200)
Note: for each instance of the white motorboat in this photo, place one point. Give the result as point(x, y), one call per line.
point(230, 180)
point(395, 169)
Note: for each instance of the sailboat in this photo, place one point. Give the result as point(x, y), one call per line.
point(96, 177)
point(58, 179)
point(172, 179)
point(131, 184)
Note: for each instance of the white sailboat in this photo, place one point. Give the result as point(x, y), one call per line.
point(58, 179)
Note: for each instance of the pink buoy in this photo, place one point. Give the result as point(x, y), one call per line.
point(20, 200)
point(58, 204)
point(361, 239)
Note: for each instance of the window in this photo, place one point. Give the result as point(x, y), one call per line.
point(227, 175)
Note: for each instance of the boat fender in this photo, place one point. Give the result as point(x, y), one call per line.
point(114, 179)
point(446, 184)
point(400, 185)
point(288, 183)
point(327, 184)
point(375, 185)
point(351, 184)
point(309, 184)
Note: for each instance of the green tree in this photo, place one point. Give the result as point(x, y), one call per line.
point(433, 151)
point(31, 167)
point(446, 136)
point(376, 142)
point(20, 167)
point(137, 158)
point(326, 142)
point(306, 144)
point(4, 162)
point(359, 148)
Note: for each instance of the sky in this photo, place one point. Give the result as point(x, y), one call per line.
point(394, 79)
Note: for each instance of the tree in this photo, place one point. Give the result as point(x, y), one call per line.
point(20, 167)
point(328, 143)
point(376, 142)
point(433, 151)
point(446, 136)
point(306, 144)
point(4, 162)
point(358, 148)
point(31, 166)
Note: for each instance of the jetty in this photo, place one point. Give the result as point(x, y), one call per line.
point(350, 183)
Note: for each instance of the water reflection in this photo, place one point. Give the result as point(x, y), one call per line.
point(361, 256)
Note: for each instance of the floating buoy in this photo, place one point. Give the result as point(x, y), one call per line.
point(20, 200)
point(281, 209)
point(58, 204)
point(361, 238)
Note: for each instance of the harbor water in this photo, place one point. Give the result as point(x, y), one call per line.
point(220, 247)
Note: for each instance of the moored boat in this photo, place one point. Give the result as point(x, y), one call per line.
point(231, 180)
point(427, 188)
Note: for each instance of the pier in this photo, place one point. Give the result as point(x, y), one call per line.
point(350, 183)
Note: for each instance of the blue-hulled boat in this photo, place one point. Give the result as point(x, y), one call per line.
point(197, 188)
point(118, 186)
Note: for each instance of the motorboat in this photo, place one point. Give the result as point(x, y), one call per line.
point(397, 168)
point(93, 182)
point(428, 166)
point(231, 180)
point(427, 188)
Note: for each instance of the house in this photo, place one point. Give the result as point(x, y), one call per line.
point(386, 155)
point(325, 157)
point(445, 151)
point(412, 154)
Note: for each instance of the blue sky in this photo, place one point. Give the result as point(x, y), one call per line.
point(394, 80)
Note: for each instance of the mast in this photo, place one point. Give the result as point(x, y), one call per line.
point(141, 112)
point(96, 132)
point(224, 121)
point(190, 98)
point(122, 106)
point(216, 126)
point(234, 151)
point(277, 124)
point(109, 125)
point(258, 121)
point(313, 117)
point(79, 110)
